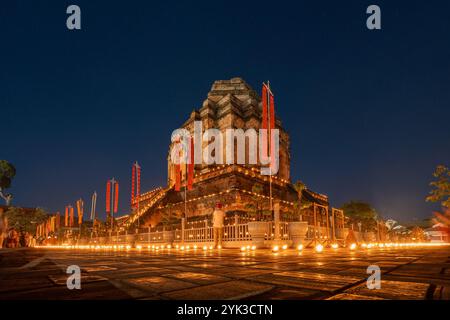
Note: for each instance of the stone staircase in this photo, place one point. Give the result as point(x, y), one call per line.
point(147, 201)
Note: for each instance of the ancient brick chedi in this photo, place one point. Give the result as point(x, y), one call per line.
point(231, 104)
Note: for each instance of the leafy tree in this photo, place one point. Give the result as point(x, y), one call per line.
point(361, 213)
point(299, 186)
point(391, 224)
point(443, 218)
point(417, 234)
point(25, 220)
point(301, 203)
point(393, 228)
point(441, 191)
point(7, 173)
point(256, 207)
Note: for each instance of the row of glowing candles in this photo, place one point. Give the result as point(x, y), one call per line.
point(127, 247)
point(318, 248)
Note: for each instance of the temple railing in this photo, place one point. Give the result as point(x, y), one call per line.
point(233, 233)
point(284, 231)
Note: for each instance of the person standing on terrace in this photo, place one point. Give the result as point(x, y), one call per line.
point(218, 217)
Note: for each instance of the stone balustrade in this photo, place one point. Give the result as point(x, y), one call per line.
point(234, 235)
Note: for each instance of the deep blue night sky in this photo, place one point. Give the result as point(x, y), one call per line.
point(368, 111)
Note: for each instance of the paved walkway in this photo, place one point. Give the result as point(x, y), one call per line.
point(226, 274)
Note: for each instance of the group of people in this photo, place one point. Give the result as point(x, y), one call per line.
point(12, 238)
point(15, 239)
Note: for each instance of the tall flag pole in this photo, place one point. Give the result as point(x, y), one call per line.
point(268, 123)
point(66, 217)
point(71, 218)
point(190, 165)
point(133, 183)
point(189, 172)
point(188, 176)
point(178, 171)
point(93, 206)
point(116, 197)
point(80, 210)
point(136, 188)
point(112, 200)
point(108, 201)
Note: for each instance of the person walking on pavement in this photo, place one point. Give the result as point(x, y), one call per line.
point(218, 217)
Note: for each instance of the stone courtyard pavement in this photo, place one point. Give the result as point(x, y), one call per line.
point(415, 273)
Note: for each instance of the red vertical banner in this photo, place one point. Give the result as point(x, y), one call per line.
point(108, 197)
point(177, 177)
point(272, 112)
point(133, 183)
point(116, 197)
point(138, 183)
point(191, 166)
point(177, 164)
point(272, 136)
point(80, 210)
point(264, 125)
point(264, 107)
point(268, 123)
point(66, 217)
point(71, 218)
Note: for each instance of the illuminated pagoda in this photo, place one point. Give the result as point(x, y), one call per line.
point(231, 104)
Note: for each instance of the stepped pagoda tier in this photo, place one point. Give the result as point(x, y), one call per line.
point(231, 104)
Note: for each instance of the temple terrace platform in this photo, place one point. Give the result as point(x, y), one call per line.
point(407, 273)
